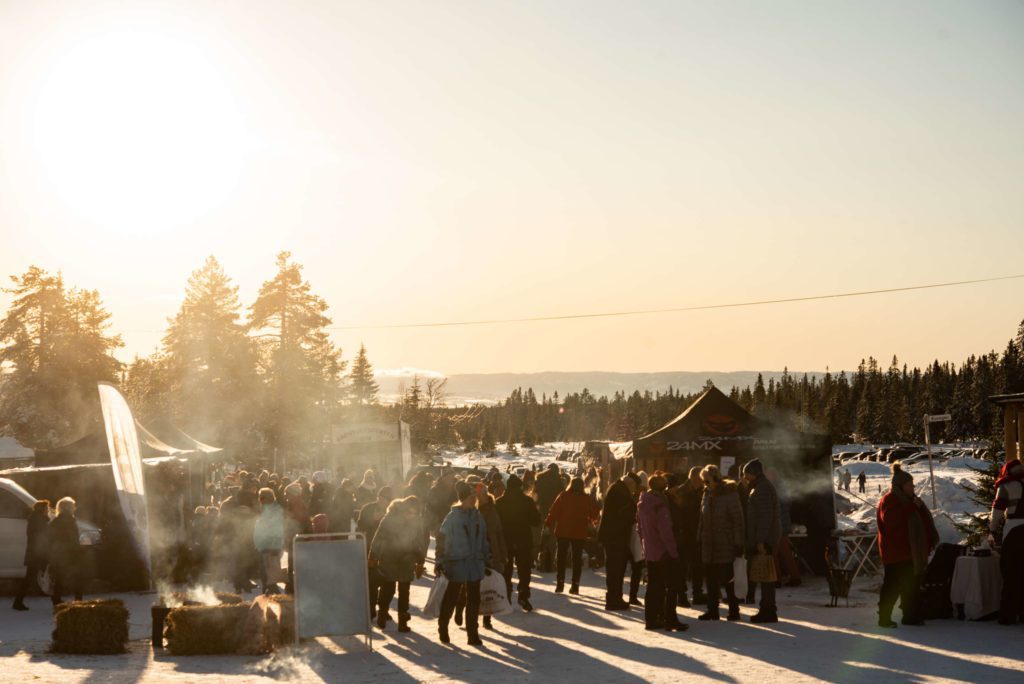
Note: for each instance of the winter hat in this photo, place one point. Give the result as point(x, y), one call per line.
point(463, 490)
point(634, 477)
point(658, 483)
point(753, 468)
point(513, 484)
point(900, 477)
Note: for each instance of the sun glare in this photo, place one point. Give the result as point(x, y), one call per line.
point(136, 132)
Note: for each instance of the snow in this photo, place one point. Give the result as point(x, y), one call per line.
point(570, 638)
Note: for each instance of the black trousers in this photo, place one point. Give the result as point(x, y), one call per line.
point(387, 592)
point(691, 569)
point(636, 576)
point(521, 556)
point(660, 600)
point(717, 575)
point(1011, 565)
point(66, 579)
point(29, 582)
point(375, 582)
point(563, 560)
point(616, 557)
point(900, 582)
point(451, 597)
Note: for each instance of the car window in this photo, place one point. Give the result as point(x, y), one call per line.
point(11, 506)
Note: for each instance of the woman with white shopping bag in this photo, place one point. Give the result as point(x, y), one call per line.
point(462, 552)
point(721, 537)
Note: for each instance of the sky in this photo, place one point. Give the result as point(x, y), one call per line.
point(447, 161)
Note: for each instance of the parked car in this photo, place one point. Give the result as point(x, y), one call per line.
point(15, 505)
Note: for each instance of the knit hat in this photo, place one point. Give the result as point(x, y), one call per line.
point(514, 484)
point(463, 490)
point(753, 468)
point(900, 477)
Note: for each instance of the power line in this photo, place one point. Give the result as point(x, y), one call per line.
point(703, 307)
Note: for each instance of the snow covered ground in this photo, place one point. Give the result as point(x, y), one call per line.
point(570, 639)
point(951, 499)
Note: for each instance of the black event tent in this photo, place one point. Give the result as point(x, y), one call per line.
point(715, 429)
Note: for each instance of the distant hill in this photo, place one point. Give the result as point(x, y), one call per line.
point(492, 387)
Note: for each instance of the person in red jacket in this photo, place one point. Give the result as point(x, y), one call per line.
point(906, 537)
point(569, 517)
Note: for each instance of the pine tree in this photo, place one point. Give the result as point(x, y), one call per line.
point(210, 361)
point(982, 492)
point(57, 349)
point(302, 366)
point(363, 388)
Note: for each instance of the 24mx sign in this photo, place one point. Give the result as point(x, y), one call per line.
point(704, 444)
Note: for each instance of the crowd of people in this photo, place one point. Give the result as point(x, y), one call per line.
point(687, 535)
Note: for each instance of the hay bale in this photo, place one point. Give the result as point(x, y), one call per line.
point(90, 627)
point(269, 625)
point(205, 630)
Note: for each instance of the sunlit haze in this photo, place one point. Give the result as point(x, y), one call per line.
point(446, 161)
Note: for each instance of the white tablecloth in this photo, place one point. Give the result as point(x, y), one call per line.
point(977, 584)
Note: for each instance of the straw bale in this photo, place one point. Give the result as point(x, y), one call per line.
point(91, 627)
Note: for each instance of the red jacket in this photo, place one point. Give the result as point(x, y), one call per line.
point(570, 514)
point(894, 544)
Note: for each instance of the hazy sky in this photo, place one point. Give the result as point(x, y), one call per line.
point(435, 161)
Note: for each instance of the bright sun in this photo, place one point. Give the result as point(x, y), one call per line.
point(137, 133)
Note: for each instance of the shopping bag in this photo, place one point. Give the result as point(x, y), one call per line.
point(493, 597)
point(762, 568)
point(636, 547)
point(45, 580)
point(739, 577)
point(432, 607)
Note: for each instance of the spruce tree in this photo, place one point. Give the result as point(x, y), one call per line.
point(363, 388)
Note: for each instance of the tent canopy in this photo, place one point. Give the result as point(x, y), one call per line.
point(93, 448)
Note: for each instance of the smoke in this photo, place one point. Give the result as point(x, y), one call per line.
point(203, 595)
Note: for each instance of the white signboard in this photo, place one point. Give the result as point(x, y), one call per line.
point(362, 433)
point(726, 463)
point(123, 442)
point(331, 586)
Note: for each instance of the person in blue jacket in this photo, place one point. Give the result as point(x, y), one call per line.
point(268, 537)
point(462, 552)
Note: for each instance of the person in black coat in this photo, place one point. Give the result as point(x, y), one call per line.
point(518, 514)
point(617, 521)
point(37, 552)
point(65, 552)
point(690, 494)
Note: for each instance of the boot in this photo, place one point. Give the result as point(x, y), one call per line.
point(487, 622)
point(458, 615)
point(700, 598)
point(887, 623)
point(761, 618)
point(575, 588)
point(442, 634)
point(525, 604)
point(382, 619)
point(612, 602)
point(682, 602)
point(19, 605)
point(559, 586)
point(734, 613)
point(633, 600)
point(474, 636)
point(709, 616)
point(403, 622)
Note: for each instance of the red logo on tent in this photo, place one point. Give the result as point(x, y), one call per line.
point(721, 425)
point(657, 447)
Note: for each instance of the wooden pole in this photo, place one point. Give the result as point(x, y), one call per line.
point(1010, 431)
point(1020, 431)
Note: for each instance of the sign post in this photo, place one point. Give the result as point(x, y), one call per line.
point(928, 420)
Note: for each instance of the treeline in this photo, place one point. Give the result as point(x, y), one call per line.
point(871, 404)
point(255, 379)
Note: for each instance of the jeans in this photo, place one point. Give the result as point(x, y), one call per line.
point(270, 571)
point(716, 575)
point(900, 581)
point(521, 555)
point(577, 558)
point(451, 597)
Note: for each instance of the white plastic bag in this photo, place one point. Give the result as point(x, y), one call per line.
point(432, 607)
point(739, 577)
point(45, 580)
point(636, 546)
point(493, 597)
